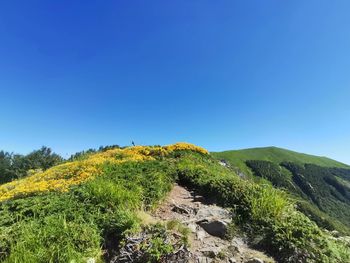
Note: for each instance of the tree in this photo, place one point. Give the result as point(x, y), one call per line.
point(43, 158)
point(14, 166)
point(5, 167)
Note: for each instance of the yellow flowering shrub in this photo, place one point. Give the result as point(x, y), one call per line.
point(185, 146)
point(63, 176)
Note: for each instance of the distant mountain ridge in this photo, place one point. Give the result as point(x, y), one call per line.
point(275, 155)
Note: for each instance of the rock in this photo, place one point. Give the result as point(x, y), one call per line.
point(192, 227)
point(223, 163)
point(242, 175)
point(181, 209)
point(255, 260)
point(200, 235)
point(181, 256)
point(214, 220)
point(234, 249)
point(335, 233)
point(236, 245)
point(213, 212)
point(216, 228)
point(232, 260)
point(210, 252)
point(214, 251)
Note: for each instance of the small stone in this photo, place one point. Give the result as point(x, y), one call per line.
point(232, 260)
point(201, 235)
point(234, 249)
point(210, 252)
point(181, 209)
point(192, 227)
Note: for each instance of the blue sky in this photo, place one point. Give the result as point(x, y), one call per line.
point(221, 74)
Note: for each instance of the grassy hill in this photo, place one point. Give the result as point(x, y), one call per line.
point(82, 210)
point(321, 184)
point(275, 155)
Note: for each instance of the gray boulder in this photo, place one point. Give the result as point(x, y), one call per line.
point(214, 220)
point(213, 212)
point(216, 228)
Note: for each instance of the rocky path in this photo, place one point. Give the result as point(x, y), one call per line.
point(209, 227)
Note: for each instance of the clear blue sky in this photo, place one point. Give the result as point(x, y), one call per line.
point(220, 74)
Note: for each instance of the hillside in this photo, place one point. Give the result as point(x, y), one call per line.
point(275, 155)
point(320, 184)
point(101, 205)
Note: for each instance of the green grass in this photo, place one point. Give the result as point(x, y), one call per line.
point(55, 239)
point(275, 155)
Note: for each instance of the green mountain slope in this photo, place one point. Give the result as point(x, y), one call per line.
point(275, 155)
point(321, 185)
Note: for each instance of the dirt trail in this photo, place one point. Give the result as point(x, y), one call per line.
point(207, 223)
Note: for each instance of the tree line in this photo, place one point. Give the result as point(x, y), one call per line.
point(14, 166)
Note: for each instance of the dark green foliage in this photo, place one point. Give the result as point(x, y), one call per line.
point(322, 219)
point(270, 171)
point(43, 158)
point(342, 189)
point(81, 155)
point(6, 173)
point(323, 188)
point(109, 147)
point(14, 166)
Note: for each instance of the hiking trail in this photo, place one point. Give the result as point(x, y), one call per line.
point(208, 224)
